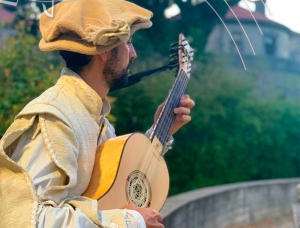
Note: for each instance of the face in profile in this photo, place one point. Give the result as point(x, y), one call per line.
point(116, 70)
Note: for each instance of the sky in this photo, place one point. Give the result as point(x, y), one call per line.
point(286, 12)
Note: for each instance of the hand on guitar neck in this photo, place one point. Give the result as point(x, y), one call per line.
point(152, 218)
point(182, 113)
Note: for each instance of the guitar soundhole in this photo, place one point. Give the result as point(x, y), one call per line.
point(138, 190)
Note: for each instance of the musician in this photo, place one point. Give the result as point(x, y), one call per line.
point(47, 154)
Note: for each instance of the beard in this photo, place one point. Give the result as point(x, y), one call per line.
point(119, 83)
point(114, 78)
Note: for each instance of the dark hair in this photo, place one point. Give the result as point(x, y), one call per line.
point(75, 61)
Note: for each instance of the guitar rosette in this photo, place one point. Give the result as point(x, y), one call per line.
point(138, 189)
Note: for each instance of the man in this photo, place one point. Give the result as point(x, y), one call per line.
point(47, 154)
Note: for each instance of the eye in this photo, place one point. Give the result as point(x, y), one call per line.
point(129, 41)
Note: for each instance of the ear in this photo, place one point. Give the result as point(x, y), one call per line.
point(104, 56)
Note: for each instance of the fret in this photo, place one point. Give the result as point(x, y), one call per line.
point(167, 116)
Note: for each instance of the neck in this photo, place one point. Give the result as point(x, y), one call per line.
point(93, 76)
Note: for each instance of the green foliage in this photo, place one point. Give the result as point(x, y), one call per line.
point(25, 72)
point(234, 135)
point(192, 16)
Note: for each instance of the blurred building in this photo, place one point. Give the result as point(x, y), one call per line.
point(275, 45)
point(5, 18)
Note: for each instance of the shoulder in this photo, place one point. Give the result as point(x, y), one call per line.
point(49, 103)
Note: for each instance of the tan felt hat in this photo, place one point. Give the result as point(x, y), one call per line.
point(91, 26)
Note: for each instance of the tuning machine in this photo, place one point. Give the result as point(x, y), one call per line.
point(174, 48)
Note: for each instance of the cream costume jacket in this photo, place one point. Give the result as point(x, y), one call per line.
point(46, 161)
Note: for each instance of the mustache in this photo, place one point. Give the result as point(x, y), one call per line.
point(127, 70)
point(129, 64)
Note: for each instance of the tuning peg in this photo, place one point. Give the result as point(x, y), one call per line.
point(174, 50)
point(174, 44)
point(174, 47)
point(174, 55)
point(184, 43)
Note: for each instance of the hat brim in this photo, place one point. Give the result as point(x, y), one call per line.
point(73, 43)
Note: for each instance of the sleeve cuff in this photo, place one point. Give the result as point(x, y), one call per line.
point(134, 219)
point(121, 218)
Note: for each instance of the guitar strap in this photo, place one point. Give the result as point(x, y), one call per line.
point(135, 78)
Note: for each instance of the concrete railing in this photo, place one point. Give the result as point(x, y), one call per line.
point(221, 206)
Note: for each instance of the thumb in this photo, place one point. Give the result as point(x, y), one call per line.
point(130, 206)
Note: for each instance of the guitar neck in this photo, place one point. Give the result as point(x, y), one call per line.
point(166, 119)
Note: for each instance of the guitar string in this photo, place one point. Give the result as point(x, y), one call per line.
point(169, 95)
point(150, 169)
point(181, 91)
point(151, 173)
point(162, 132)
point(170, 103)
point(168, 123)
point(142, 173)
point(148, 160)
point(182, 80)
point(144, 165)
point(169, 117)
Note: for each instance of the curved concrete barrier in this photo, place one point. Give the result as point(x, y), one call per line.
point(232, 204)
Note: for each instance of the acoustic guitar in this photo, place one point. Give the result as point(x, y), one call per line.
point(131, 168)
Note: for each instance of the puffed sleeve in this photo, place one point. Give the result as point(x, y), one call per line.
point(33, 155)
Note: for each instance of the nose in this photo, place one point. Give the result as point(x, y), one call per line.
point(132, 53)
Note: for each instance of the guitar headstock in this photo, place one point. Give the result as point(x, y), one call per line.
point(182, 54)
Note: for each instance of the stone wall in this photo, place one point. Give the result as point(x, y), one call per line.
point(221, 206)
point(286, 42)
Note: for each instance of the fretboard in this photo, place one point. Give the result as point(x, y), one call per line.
point(166, 119)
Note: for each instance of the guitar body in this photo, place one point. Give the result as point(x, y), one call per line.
point(129, 169)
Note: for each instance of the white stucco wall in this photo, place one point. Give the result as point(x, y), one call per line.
point(220, 41)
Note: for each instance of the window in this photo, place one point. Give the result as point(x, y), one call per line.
point(238, 38)
point(270, 44)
